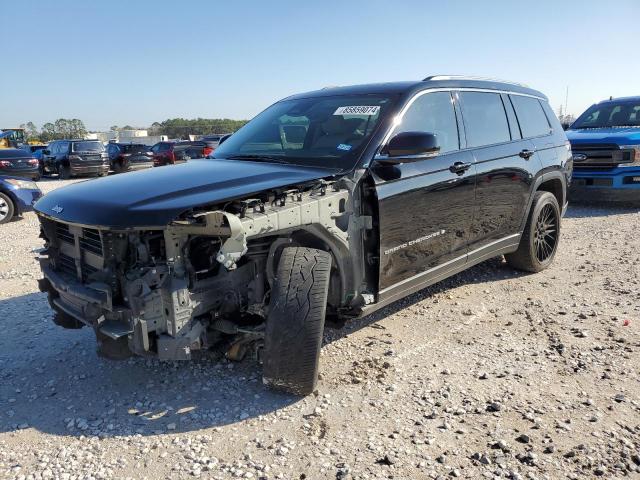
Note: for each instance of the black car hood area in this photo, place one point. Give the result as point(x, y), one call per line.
point(155, 197)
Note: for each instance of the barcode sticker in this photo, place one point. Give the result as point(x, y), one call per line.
point(358, 110)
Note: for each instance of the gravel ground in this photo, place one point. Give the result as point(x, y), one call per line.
point(490, 374)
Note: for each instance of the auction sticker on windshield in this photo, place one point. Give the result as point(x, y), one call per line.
point(358, 110)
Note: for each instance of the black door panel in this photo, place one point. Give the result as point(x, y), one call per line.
point(425, 213)
point(504, 182)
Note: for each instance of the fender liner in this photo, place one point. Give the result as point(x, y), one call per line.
point(539, 180)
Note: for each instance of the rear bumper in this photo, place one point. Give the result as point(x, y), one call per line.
point(616, 185)
point(80, 169)
point(140, 165)
point(31, 173)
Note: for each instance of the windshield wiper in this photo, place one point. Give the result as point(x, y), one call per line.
point(258, 158)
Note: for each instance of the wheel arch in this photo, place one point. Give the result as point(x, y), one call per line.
point(553, 182)
point(316, 236)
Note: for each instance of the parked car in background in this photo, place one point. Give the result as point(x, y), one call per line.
point(171, 153)
point(383, 190)
point(69, 158)
point(19, 162)
point(605, 141)
point(17, 196)
point(124, 157)
point(214, 138)
point(36, 150)
point(223, 139)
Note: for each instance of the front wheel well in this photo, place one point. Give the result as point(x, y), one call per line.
point(304, 238)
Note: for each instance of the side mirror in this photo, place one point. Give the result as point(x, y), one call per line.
point(410, 146)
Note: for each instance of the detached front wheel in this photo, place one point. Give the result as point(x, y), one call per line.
point(541, 235)
point(295, 324)
point(7, 209)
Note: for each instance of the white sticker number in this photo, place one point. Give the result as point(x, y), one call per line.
point(358, 110)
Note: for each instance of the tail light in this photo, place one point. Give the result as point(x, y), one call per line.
point(172, 156)
point(207, 150)
point(4, 164)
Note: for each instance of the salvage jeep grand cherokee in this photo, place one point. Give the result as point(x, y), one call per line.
point(335, 202)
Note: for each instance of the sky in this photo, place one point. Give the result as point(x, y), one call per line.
point(135, 62)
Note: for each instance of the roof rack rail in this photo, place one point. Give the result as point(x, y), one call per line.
point(466, 77)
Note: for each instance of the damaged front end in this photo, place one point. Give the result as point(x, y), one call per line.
point(201, 281)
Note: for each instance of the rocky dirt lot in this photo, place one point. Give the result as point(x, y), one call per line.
point(490, 374)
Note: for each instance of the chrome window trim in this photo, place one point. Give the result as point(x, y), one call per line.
point(397, 121)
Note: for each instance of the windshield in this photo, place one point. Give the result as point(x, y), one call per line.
point(88, 146)
point(322, 131)
point(610, 114)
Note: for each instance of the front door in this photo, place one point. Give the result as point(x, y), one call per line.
point(425, 206)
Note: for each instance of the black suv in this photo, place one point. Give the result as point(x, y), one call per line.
point(335, 202)
point(124, 157)
point(69, 158)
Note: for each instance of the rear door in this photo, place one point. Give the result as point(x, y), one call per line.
point(425, 208)
point(504, 169)
point(535, 126)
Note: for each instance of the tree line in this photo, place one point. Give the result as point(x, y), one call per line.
point(173, 128)
point(181, 127)
point(61, 128)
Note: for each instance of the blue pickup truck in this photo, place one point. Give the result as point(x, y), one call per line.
point(605, 141)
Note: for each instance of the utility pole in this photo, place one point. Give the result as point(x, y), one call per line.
point(566, 101)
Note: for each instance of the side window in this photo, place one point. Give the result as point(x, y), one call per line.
point(433, 113)
point(485, 118)
point(531, 116)
point(63, 148)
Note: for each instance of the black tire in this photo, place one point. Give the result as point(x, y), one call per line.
point(64, 172)
point(541, 236)
point(295, 324)
point(7, 208)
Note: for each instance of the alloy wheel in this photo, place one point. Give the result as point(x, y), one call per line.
point(4, 209)
point(545, 237)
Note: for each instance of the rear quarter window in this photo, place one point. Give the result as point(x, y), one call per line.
point(485, 118)
point(531, 117)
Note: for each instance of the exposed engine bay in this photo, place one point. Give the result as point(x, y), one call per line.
point(204, 280)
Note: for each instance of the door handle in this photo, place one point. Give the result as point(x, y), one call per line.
point(526, 154)
point(459, 167)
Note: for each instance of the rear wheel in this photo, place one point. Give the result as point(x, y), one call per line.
point(118, 167)
point(64, 172)
point(295, 325)
point(541, 236)
point(7, 208)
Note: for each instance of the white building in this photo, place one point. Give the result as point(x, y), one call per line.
point(127, 136)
